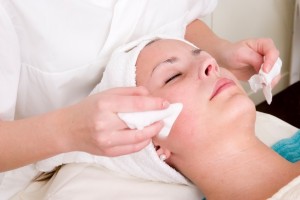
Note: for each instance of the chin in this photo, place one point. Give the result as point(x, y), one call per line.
point(240, 108)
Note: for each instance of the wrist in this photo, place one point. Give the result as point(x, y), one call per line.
point(65, 129)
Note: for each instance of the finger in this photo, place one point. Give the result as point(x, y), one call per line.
point(130, 91)
point(252, 55)
point(270, 53)
point(113, 122)
point(128, 136)
point(126, 149)
point(110, 121)
point(136, 103)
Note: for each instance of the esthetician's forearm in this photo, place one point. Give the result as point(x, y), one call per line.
point(26, 141)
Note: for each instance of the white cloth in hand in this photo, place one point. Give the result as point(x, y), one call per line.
point(139, 120)
point(264, 80)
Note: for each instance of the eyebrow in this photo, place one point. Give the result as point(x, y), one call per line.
point(194, 52)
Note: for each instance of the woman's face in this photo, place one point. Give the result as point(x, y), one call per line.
point(211, 96)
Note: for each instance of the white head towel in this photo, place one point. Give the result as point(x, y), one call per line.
point(120, 72)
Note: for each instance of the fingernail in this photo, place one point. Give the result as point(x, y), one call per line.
point(266, 68)
point(166, 104)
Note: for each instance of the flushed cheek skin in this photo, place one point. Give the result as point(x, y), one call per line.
point(195, 132)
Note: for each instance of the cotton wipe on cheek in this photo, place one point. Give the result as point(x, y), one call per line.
point(264, 80)
point(139, 120)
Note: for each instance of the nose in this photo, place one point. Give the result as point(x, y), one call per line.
point(208, 69)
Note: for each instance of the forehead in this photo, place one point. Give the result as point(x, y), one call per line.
point(163, 47)
point(166, 44)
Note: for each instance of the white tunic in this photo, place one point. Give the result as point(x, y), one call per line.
point(53, 52)
point(64, 46)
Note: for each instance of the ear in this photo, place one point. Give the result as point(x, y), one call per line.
point(162, 152)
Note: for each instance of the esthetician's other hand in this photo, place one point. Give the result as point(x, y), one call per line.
point(96, 128)
point(246, 57)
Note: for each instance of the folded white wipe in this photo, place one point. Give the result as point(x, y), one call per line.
point(139, 120)
point(120, 72)
point(264, 80)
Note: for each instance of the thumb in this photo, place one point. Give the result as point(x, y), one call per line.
point(269, 62)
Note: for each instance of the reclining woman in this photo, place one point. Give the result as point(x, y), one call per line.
point(212, 142)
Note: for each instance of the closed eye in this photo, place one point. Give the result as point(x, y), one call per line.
point(172, 78)
point(171, 60)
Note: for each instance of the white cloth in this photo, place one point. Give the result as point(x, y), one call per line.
point(90, 181)
point(139, 120)
point(270, 129)
point(290, 191)
point(264, 80)
point(144, 164)
point(64, 46)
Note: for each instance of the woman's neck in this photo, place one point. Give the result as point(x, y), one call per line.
point(235, 167)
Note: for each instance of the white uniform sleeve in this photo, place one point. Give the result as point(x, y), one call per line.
point(199, 9)
point(9, 70)
point(9, 66)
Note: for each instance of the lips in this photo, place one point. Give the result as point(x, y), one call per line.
point(221, 85)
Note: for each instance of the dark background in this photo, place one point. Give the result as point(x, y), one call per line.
point(285, 105)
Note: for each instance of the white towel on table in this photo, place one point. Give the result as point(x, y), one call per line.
point(290, 191)
point(120, 72)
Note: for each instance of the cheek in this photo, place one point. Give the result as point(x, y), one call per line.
point(193, 118)
point(187, 129)
point(195, 110)
point(184, 92)
point(141, 76)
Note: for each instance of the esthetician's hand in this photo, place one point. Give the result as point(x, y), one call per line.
point(95, 127)
point(246, 57)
